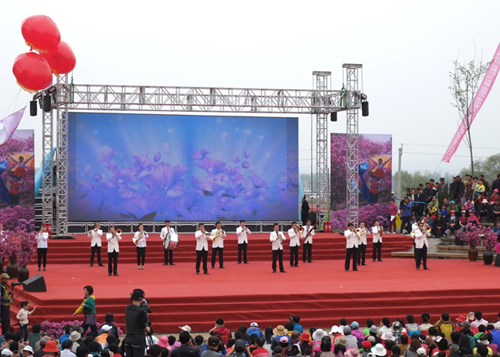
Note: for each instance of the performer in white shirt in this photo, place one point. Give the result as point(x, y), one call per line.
point(421, 245)
point(352, 240)
point(166, 234)
point(201, 248)
point(218, 244)
point(113, 249)
point(242, 231)
point(363, 232)
point(95, 244)
point(308, 241)
point(277, 238)
point(41, 246)
point(140, 247)
point(377, 231)
point(295, 235)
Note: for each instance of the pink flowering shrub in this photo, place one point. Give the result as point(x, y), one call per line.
point(367, 214)
point(18, 217)
point(18, 246)
point(56, 329)
point(472, 236)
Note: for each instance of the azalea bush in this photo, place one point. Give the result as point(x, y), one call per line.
point(367, 214)
point(18, 246)
point(56, 329)
point(472, 236)
point(18, 217)
point(490, 240)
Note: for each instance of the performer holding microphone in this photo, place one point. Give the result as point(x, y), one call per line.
point(41, 239)
point(421, 245)
point(201, 248)
point(295, 235)
point(362, 233)
point(113, 249)
point(242, 231)
point(277, 238)
point(308, 241)
point(377, 231)
point(140, 241)
point(95, 244)
point(166, 235)
point(352, 240)
point(217, 237)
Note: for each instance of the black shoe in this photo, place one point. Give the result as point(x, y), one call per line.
point(109, 274)
point(239, 262)
point(380, 260)
point(347, 270)
point(247, 263)
point(101, 265)
point(172, 264)
point(222, 268)
point(197, 272)
point(355, 270)
point(206, 272)
point(304, 261)
point(38, 269)
point(283, 271)
point(274, 270)
point(165, 264)
point(291, 266)
point(43, 268)
point(425, 268)
point(363, 264)
point(91, 265)
point(310, 261)
point(373, 259)
point(418, 268)
point(297, 266)
point(213, 266)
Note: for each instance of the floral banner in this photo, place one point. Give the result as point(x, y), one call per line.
point(481, 95)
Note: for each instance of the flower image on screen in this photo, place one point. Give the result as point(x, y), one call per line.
point(128, 167)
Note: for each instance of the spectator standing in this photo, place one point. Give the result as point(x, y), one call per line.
point(496, 183)
point(6, 301)
point(135, 320)
point(393, 212)
point(88, 309)
point(304, 210)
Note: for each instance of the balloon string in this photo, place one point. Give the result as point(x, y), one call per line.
point(14, 100)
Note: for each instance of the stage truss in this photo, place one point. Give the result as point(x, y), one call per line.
point(320, 101)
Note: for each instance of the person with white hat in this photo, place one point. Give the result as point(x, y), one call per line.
point(27, 351)
point(379, 350)
point(255, 330)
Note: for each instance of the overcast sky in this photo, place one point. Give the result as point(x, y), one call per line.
point(406, 49)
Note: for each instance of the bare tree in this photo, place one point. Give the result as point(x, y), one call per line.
point(464, 85)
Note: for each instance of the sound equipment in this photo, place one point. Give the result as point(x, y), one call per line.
point(33, 108)
point(35, 284)
point(333, 116)
point(47, 103)
point(364, 108)
point(174, 241)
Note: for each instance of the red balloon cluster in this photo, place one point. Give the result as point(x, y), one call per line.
point(33, 71)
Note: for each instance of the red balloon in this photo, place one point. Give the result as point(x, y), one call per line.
point(40, 32)
point(32, 71)
point(61, 58)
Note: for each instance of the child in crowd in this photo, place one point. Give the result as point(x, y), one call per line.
point(453, 223)
point(22, 316)
point(444, 211)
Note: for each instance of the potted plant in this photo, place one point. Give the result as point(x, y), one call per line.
point(472, 237)
point(18, 247)
point(489, 243)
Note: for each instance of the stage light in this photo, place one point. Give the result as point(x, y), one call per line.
point(47, 103)
point(33, 108)
point(51, 90)
point(333, 116)
point(364, 105)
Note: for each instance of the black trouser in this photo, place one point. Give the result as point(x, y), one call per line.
point(304, 217)
point(361, 254)
point(278, 254)
point(14, 200)
point(95, 249)
point(5, 319)
point(373, 198)
point(42, 252)
point(112, 262)
point(168, 256)
point(307, 252)
point(421, 255)
point(242, 248)
point(93, 328)
point(201, 254)
point(141, 255)
point(135, 346)
point(377, 251)
point(351, 252)
point(294, 252)
point(221, 256)
point(405, 224)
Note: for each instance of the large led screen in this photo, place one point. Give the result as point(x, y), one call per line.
point(188, 168)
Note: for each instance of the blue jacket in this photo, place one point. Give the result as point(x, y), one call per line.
point(297, 327)
point(255, 331)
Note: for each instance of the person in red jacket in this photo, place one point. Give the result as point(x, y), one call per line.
point(225, 333)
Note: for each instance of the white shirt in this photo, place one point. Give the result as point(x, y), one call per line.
point(362, 236)
point(95, 237)
point(277, 243)
point(219, 241)
point(41, 239)
point(243, 233)
point(67, 353)
point(351, 239)
point(201, 240)
point(376, 235)
point(22, 316)
point(309, 239)
point(166, 234)
point(421, 238)
point(142, 242)
point(113, 245)
point(294, 237)
point(476, 323)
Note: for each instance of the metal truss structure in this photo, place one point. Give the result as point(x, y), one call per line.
point(79, 97)
point(352, 131)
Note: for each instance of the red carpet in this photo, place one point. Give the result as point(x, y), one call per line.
point(326, 246)
point(321, 293)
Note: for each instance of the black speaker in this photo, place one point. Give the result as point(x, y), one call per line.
point(364, 108)
point(47, 104)
point(33, 108)
point(333, 116)
point(35, 284)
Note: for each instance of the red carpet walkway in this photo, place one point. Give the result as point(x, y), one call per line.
point(321, 293)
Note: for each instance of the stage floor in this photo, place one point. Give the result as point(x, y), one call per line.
point(321, 292)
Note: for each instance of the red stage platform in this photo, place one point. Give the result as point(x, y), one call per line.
point(321, 292)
